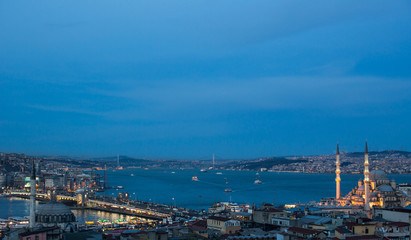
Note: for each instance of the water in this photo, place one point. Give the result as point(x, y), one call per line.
point(163, 186)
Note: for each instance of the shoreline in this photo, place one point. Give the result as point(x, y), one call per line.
point(246, 170)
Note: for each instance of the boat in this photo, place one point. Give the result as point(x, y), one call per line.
point(257, 181)
point(219, 173)
point(203, 170)
point(173, 172)
point(227, 189)
point(194, 178)
point(132, 175)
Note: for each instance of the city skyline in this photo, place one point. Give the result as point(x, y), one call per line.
point(189, 79)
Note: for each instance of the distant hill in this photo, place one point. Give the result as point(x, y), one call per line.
point(351, 160)
point(381, 153)
point(262, 163)
point(124, 160)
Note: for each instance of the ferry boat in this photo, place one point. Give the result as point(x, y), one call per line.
point(194, 178)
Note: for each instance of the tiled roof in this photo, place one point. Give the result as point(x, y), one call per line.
point(201, 224)
point(302, 230)
point(218, 218)
point(397, 224)
point(369, 237)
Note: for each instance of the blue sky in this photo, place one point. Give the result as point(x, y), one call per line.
point(185, 79)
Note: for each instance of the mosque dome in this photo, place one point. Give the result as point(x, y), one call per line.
point(373, 194)
point(385, 188)
point(378, 175)
point(54, 212)
point(356, 197)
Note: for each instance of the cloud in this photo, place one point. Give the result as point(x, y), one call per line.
point(266, 94)
point(65, 109)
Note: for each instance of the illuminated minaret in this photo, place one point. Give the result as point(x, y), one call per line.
point(337, 173)
point(366, 179)
point(33, 197)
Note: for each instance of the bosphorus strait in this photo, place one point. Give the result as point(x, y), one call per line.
point(175, 187)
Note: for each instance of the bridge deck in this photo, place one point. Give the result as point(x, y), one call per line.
point(101, 205)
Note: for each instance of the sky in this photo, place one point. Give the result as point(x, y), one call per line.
point(186, 79)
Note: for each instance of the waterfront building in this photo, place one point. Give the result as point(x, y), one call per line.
point(54, 182)
point(3, 179)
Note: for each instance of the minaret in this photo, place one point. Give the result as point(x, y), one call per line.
point(33, 197)
point(337, 173)
point(366, 179)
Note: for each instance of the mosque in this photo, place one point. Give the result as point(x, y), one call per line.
point(375, 190)
point(55, 214)
point(51, 214)
point(50, 220)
